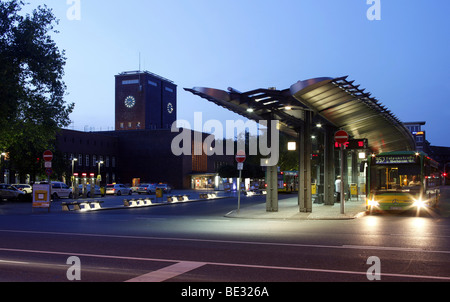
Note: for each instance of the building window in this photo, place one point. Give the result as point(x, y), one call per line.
point(80, 160)
point(87, 160)
point(130, 82)
point(121, 126)
point(113, 161)
point(94, 160)
point(107, 162)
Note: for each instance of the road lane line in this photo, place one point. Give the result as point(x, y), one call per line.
point(354, 247)
point(13, 262)
point(212, 220)
point(168, 272)
point(200, 264)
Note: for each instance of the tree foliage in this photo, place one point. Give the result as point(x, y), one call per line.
point(32, 90)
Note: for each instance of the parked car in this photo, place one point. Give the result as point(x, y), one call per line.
point(88, 190)
point(118, 189)
point(61, 190)
point(8, 192)
point(165, 187)
point(28, 189)
point(147, 189)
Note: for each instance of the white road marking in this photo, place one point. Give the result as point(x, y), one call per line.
point(212, 220)
point(354, 247)
point(168, 272)
point(13, 262)
point(193, 265)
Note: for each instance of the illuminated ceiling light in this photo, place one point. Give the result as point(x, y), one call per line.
point(319, 125)
point(288, 108)
point(292, 146)
point(250, 110)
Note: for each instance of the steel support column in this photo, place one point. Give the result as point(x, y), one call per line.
point(271, 177)
point(329, 166)
point(305, 145)
point(272, 189)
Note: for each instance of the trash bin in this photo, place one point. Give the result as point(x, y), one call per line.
point(354, 189)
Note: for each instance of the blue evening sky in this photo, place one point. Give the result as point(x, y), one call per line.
point(402, 59)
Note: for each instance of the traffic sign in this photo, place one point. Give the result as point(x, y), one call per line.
point(49, 172)
point(240, 156)
point(240, 166)
point(341, 137)
point(48, 155)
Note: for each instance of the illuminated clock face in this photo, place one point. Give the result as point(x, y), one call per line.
point(130, 102)
point(170, 108)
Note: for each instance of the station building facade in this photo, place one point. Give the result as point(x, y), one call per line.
point(139, 150)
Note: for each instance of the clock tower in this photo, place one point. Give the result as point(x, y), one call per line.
point(144, 101)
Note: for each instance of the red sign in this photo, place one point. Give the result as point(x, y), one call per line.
point(240, 156)
point(341, 137)
point(48, 155)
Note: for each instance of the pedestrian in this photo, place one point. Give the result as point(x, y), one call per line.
point(337, 185)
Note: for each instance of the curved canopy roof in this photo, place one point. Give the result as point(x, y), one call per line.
point(336, 100)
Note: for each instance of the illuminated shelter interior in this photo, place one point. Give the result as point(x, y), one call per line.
point(336, 102)
point(350, 108)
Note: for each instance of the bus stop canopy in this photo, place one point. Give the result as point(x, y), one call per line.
point(336, 100)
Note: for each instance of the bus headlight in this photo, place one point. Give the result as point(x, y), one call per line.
point(372, 203)
point(420, 203)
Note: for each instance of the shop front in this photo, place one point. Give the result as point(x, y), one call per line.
point(206, 181)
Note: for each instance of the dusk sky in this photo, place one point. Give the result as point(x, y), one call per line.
point(402, 59)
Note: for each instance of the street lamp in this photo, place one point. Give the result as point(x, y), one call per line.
point(73, 161)
point(3, 159)
point(99, 177)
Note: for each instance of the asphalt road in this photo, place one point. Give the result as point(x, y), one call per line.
point(194, 242)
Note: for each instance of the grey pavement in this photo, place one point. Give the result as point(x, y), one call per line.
point(289, 209)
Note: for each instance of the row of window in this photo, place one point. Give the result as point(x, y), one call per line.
point(88, 142)
point(136, 81)
point(88, 160)
point(130, 125)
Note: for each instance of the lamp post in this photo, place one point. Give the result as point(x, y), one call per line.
point(99, 175)
point(3, 161)
point(73, 180)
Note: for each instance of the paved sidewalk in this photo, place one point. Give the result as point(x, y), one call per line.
point(289, 209)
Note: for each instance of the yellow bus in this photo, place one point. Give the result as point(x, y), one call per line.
point(402, 180)
point(288, 181)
